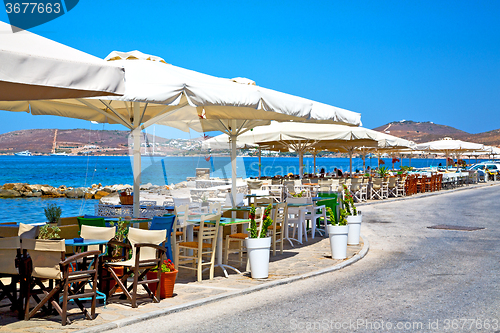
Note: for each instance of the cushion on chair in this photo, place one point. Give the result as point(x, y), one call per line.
point(194, 245)
point(239, 235)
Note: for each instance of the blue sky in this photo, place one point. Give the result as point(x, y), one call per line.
point(389, 60)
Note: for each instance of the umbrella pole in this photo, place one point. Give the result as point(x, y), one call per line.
point(350, 162)
point(260, 162)
point(136, 133)
point(301, 163)
point(233, 167)
point(314, 156)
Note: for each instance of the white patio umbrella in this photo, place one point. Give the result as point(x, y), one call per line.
point(302, 137)
point(448, 146)
point(33, 67)
point(157, 92)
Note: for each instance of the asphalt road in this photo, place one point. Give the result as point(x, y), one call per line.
point(414, 279)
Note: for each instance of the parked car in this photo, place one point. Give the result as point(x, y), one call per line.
point(492, 167)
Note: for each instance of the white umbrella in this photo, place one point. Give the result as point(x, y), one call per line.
point(301, 137)
point(33, 67)
point(448, 145)
point(157, 92)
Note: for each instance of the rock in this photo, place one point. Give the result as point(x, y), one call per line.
point(62, 188)
point(31, 194)
point(9, 193)
point(88, 195)
point(75, 193)
point(108, 189)
point(99, 194)
point(146, 186)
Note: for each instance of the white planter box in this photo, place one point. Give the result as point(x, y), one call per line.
point(338, 240)
point(354, 223)
point(258, 250)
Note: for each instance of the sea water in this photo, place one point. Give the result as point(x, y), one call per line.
point(77, 171)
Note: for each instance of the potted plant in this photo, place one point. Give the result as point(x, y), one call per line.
point(52, 213)
point(354, 218)
point(167, 279)
point(49, 232)
point(120, 236)
point(258, 244)
point(383, 172)
point(337, 232)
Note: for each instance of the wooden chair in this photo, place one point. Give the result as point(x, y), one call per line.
point(204, 247)
point(239, 238)
point(280, 216)
point(380, 188)
point(90, 232)
point(148, 252)
point(166, 223)
point(392, 186)
point(28, 231)
point(48, 262)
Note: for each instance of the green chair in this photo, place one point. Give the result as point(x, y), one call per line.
point(332, 203)
point(94, 222)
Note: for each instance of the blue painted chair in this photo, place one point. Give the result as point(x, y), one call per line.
point(166, 222)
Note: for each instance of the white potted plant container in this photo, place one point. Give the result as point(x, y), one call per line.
point(337, 232)
point(354, 218)
point(259, 245)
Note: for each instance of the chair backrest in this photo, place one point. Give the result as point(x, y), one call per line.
point(136, 236)
point(95, 222)
point(28, 231)
point(280, 214)
point(90, 232)
point(215, 208)
point(45, 256)
point(208, 229)
point(306, 181)
point(8, 251)
point(165, 222)
point(276, 181)
point(181, 201)
point(68, 220)
point(377, 183)
point(181, 215)
point(393, 181)
point(9, 231)
point(263, 201)
point(289, 185)
point(254, 184)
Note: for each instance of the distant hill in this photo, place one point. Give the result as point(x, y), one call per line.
point(82, 141)
point(428, 131)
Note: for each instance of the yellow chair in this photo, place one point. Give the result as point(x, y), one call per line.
point(203, 247)
point(280, 217)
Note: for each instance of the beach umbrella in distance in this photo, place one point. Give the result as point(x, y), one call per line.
point(449, 146)
point(33, 67)
point(160, 93)
point(301, 137)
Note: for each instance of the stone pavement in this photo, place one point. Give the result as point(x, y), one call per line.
point(310, 257)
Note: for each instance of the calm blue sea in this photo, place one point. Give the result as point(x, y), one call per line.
point(85, 171)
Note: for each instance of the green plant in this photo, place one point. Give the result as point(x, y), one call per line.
point(348, 203)
point(342, 218)
point(121, 233)
point(299, 195)
point(52, 213)
point(166, 266)
point(406, 168)
point(49, 232)
point(383, 171)
point(267, 221)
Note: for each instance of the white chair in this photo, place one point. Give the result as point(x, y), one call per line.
point(296, 219)
point(380, 189)
point(358, 189)
point(314, 213)
point(392, 187)
point(277, 230)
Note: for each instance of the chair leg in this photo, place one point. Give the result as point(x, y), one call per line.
point(199, 270)
point(226, 254)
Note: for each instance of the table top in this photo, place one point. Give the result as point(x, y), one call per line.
point(224, 221)
point(86, 242)
point(133, 220)
point(257, 195)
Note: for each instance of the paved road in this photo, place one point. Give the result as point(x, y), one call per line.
point(414, 278)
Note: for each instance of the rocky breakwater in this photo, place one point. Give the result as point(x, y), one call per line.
point(24, 190)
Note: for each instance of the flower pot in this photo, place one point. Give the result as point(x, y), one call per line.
point(338, 240)
point(107, 280)
point(354, 223)
point(167, 282)
point(258, 250)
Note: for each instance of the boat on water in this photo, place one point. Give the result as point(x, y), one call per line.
point(60, 154)
point(23, 153)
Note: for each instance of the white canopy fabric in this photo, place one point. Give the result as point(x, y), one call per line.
point(160, 93)
point(449, 146)
point(33, 67)
point(301, 137)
